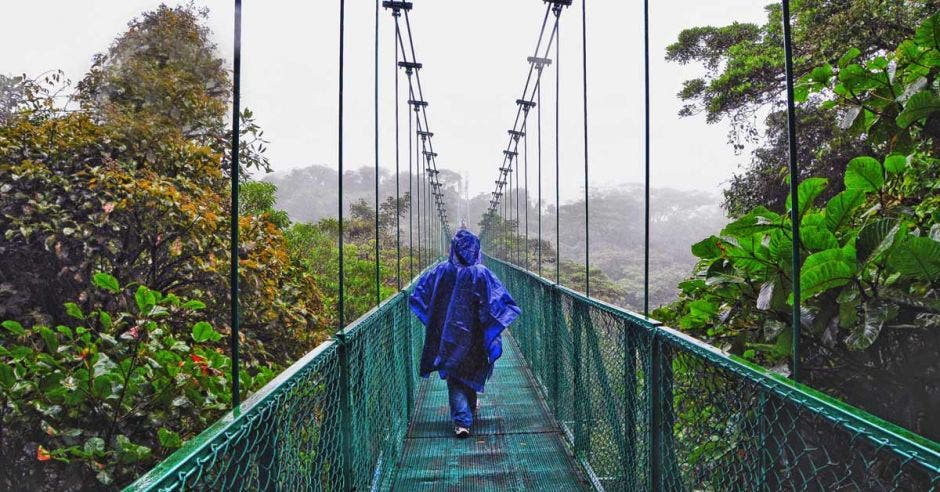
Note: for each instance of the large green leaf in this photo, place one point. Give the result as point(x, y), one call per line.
point(849, 55)
point(864, 173)
point(203, 332)
point(146, 299)
point(827, 269)
point(918, 107)
point(107, 282)
point(817, 238)
point(864, 334)
point(707, 248)
point(916, 256)
point(758, 220)
point(839, 209)
point(807, 191)
point(822, 73)
point(876, 238)
point(895, 163)
point(928, 33)
point(750, 255)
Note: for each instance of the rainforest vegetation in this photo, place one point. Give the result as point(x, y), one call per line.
point(114, 260)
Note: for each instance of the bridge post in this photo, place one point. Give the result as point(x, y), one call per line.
point(556, 317)
point(629, 463)
point(349, 478)
point(580, 443)
point(664, 473)
point(409, 357)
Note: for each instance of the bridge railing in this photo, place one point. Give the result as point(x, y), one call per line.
point(334, 420)
point(645, 407)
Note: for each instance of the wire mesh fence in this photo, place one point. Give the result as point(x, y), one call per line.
point(647, 408)
point(335, 420)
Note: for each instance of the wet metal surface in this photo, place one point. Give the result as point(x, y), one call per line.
point(515, 444)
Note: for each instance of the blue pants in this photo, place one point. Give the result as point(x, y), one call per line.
point(463, 402)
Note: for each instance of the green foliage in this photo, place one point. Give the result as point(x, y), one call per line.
point(853, 247)
point(110, 398)
point(134, 183)
point(869, 250)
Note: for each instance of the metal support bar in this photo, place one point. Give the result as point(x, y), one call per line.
point(389, 4)
point(349, 479)
point(233, 260)
point(539, 62)
point(794, 194)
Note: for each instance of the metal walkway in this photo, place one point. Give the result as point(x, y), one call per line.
point(515, 443)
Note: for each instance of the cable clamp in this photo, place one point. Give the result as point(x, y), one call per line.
point(539, 62)
point(396, 6)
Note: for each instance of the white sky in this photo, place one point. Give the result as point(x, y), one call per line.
point(474, 67)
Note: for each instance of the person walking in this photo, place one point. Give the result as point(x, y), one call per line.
point(465, 309)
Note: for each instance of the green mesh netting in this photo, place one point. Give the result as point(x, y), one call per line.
point(593, 395)
point(647, 408)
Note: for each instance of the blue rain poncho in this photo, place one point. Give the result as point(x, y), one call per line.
point(464, 308)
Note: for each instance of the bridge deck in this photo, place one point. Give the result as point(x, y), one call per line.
point(515, 444)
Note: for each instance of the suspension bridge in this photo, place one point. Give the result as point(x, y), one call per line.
point(587, 396)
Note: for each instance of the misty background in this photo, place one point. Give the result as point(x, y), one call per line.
point(474, 67)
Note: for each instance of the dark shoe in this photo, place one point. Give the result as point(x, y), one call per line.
point(461, 432)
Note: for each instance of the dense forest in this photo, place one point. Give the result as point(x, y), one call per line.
point(115, 213)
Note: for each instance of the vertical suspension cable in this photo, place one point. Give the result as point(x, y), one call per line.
point(378, 279)
point(411, 194)
point(397, 164)
point(557, 152)
point(427, 210)
point(646, 158)
point(525, 161)
point(427, 217)
point(233, 267)
point(340, 301)
point(538, 107)
point(419, 184)
point(518, 243)
point(794, 193)
point(511, 252)
point(587, 222)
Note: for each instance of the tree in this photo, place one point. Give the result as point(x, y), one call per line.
point(164, 73)
point(744, 76)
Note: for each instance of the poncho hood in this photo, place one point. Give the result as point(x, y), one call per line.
point(465, 249)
